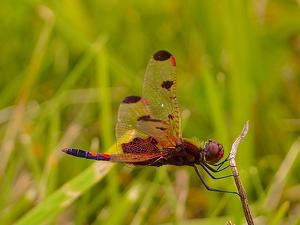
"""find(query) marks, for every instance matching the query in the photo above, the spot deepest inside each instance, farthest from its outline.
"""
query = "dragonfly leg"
(220, 167)
(212, 176)
(213, 169)
(221, 163)
(210, 188)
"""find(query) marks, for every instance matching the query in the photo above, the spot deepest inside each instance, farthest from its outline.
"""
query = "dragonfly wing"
(132, 158)
(161, 130)
(155, 115)
(160, 91)
(130, 110)
(136, 123)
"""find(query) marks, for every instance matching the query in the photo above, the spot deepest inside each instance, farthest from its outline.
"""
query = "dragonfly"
(151, 125)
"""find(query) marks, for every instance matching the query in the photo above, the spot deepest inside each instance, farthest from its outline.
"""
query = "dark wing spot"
(162, 55)
(146, 117)
(154, 120)
(131, 99)
(161, 128)
(152, 140)
(137, 140)
(167, 84)
(171, 117)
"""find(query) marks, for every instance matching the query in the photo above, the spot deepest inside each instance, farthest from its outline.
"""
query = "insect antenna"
(210, 188)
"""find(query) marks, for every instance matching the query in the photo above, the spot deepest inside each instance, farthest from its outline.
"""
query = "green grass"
(66, 65)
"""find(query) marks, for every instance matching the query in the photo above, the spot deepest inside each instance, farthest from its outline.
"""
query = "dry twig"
(235, 173)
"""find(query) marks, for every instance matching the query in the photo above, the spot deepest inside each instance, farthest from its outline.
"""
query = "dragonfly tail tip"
(66, 150)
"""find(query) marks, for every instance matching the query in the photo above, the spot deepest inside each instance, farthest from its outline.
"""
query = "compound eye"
(213, 151)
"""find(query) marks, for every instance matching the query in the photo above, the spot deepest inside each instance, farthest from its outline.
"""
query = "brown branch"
(236, 176)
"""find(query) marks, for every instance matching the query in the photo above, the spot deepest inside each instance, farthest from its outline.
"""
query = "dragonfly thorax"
(189, 153)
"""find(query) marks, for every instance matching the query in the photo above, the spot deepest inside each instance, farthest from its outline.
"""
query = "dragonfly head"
(213, 151)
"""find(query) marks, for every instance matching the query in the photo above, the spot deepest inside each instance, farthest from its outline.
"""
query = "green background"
(66, 65)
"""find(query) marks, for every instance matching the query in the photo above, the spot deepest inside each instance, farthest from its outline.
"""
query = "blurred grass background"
(66, 65)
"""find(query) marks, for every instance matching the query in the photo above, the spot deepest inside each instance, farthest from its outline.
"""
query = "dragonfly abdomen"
(87, 154)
